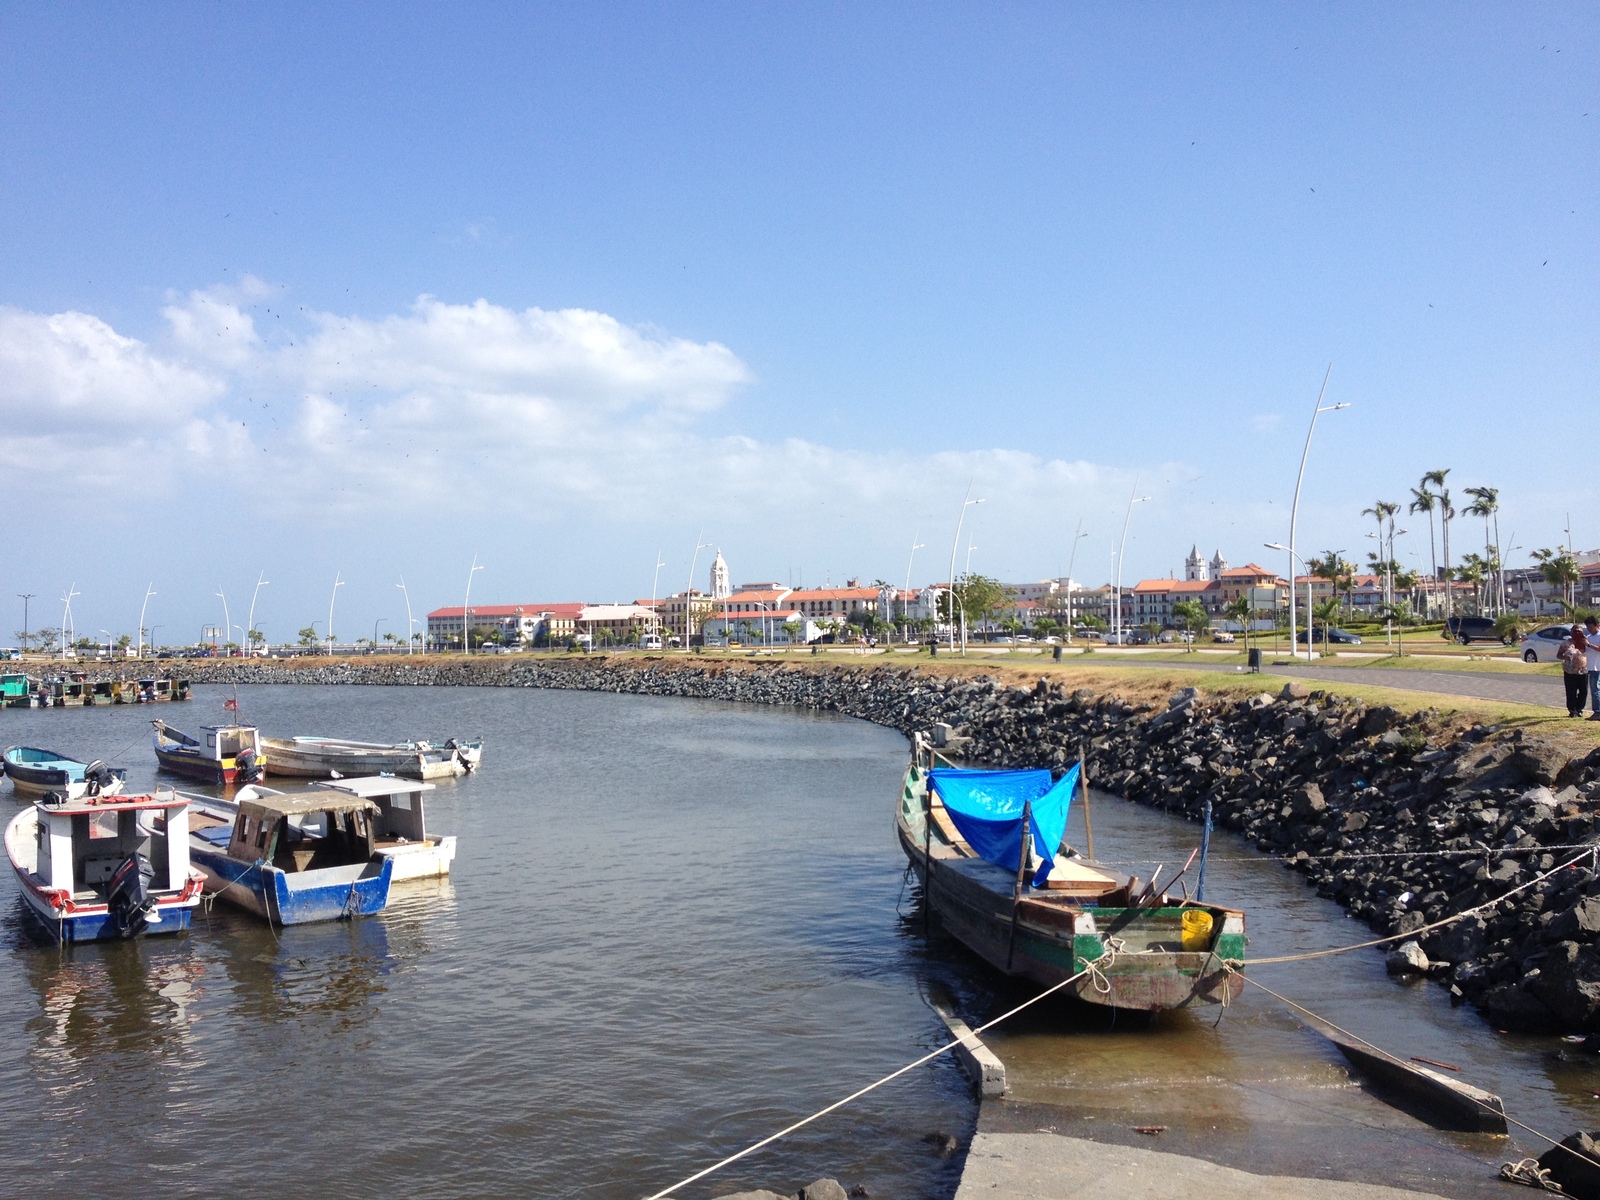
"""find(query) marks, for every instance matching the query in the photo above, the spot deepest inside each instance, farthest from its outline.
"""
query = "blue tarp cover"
(986, 807)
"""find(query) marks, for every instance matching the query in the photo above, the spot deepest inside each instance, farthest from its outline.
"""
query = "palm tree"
(1424, 501)
(1445, 513)
(1560, 570)
(1241, 610)
(1486, 504)
(1474, 569)
(1327, 612)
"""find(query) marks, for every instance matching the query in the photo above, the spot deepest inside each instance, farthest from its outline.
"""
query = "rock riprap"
(1402, 819)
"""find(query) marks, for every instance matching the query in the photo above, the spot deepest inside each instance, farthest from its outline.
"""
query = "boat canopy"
(987, 806)
(294, 804)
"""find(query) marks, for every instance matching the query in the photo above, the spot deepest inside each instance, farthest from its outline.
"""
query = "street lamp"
(148, 592)
(915, 546)
(1292, 651)
(334, 595)
(1133, 498)
(955, 544)
(1294, 516)
(409, 622)
(466, 607)
(25, 597)
(66, 615)
(1072, 560)
(250, 621)
(227, 621)
(688, 595)
(107, 632)
(153, 643)
(375, 624)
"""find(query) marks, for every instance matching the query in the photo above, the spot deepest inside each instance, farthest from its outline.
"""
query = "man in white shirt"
(1591, 632)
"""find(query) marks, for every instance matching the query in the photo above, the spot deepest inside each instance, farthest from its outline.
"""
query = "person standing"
(1574, 656)
(1591, 634)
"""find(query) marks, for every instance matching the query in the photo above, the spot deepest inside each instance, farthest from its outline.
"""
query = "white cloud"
(211, 326)
(72, 373)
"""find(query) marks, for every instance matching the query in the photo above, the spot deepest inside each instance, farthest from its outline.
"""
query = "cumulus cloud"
(71, 373)
(451, 411)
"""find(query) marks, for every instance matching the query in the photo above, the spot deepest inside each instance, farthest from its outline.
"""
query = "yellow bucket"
(1196, 929)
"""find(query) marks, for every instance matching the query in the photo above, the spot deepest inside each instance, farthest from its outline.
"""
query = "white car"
(1541, 645)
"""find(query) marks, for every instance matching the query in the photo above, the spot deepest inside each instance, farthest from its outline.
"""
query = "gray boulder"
(1406, 959)
(1307, 801)
(1569, 985)
(824, 1189)
(1459, 942)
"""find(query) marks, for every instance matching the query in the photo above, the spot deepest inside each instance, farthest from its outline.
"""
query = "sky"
(367, 293)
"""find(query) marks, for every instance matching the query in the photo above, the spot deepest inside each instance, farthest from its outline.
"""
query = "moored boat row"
(77, 690)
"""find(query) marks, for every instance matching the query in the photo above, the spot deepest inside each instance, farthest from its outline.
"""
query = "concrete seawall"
(1462, 812)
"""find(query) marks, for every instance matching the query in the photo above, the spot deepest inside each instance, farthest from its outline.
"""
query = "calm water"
(673, 928)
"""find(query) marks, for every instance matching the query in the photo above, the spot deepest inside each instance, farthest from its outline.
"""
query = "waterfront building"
(512, 624)
(721, 589)
(1153, 599)
(682, 614)
(776, 627)
(838, 604)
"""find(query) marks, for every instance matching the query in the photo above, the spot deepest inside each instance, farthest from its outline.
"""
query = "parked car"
(1541, 645)
(1467, 630)
(1223, 636)
(1335, 637)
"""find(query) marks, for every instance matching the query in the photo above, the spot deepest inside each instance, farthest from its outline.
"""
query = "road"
(1544, 691)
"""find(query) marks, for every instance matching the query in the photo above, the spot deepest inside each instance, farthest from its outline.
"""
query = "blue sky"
(365, 290)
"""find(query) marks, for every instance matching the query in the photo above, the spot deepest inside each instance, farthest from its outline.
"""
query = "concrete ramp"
(1048, 1166)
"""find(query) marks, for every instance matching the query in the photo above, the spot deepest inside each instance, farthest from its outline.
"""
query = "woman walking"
(1574, 656)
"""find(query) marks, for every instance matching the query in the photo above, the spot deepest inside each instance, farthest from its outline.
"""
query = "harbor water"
(674, 927)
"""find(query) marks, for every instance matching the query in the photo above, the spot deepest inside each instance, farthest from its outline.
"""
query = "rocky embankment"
(1403, 819)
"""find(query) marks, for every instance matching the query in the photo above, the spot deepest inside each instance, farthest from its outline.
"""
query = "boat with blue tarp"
(100, 868)
(33, 772)
(293, 859)
(989, 848)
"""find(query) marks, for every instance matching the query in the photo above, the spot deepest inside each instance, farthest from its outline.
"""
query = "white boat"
(399, 827)
(105, 867)
(341, 758)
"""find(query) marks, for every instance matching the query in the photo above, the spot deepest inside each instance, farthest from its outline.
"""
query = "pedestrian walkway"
(1543, 691)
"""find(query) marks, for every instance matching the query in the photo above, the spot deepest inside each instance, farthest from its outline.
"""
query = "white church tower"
(721, 589)
(1218, 565)
(1194, 567)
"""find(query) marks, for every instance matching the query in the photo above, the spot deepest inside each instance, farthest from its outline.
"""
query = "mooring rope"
(1341, 855)
(837, 1104)
(1382, 1053)
(1416, 933)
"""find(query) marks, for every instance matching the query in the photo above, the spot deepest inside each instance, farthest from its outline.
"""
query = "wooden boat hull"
(56, 774)
(421, 860)
(219, 771)
(70, 920)
(294, 898)
(306, 759)
(1047, 942)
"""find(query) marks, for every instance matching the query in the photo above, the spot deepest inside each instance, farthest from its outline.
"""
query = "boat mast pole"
(1083, 783)
(1023, 854)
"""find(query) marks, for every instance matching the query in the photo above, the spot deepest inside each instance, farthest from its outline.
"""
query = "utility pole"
(25, 597)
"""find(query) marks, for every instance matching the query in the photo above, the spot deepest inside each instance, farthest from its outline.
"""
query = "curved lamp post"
(955, 544)
(1294, 516)
(1122, 546)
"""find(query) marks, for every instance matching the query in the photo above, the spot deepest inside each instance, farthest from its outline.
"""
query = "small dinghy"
(399, 828)
(292, 859)
(33, 772)
(101, 868)
(989, 849)
(340, 758)
(222, 754)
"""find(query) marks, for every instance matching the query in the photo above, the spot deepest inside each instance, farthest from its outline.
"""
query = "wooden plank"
(1438, 1099)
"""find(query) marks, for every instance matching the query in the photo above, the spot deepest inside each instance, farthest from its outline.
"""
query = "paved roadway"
(1542, 690)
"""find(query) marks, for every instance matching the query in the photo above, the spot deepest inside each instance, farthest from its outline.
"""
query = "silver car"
(1541, 645)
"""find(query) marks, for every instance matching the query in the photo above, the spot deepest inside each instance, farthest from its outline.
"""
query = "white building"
(721, 587)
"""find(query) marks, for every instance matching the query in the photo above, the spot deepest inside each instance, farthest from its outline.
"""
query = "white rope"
(767, 1141)
(1416, 933)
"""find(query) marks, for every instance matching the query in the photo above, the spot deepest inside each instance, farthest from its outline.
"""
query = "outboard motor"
(128, 897)
(53, 798)
(247, 768)
(98, 777)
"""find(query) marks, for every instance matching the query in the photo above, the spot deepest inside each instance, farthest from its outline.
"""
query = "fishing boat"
(293, 859)
(106, 867)
(222, 754)
(989, 849)
(33, 772)
(399, 826)
(325, 758)
(17, 690)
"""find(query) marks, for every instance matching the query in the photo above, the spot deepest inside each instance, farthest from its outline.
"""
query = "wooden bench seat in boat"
(1079, 881)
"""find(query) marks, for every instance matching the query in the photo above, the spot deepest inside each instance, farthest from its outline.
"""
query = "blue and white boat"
(33, 772)
(103, 867)
(292, 859)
